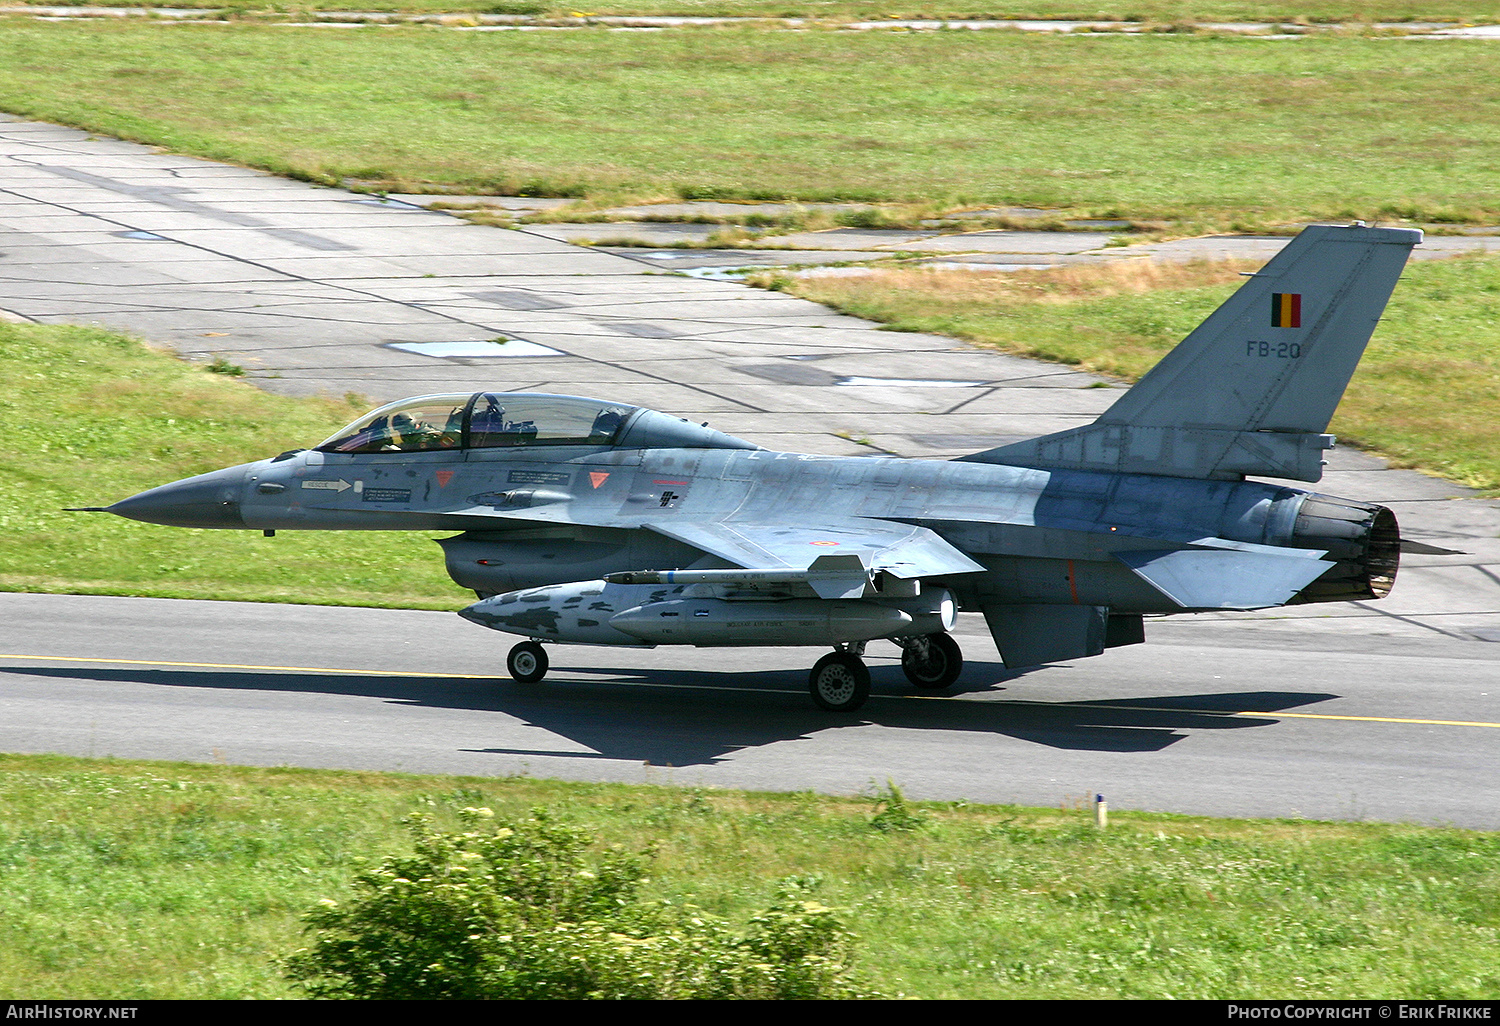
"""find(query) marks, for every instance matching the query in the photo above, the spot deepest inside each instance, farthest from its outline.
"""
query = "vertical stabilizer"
(1252, 389)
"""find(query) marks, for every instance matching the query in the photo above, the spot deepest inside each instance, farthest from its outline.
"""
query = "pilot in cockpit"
(606, 424)
(410, 435)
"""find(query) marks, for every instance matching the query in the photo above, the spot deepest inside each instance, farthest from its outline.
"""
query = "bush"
(519, 912)
(893, 813)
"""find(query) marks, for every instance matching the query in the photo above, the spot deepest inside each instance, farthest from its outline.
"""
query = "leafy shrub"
(893, 813)
(520, 911)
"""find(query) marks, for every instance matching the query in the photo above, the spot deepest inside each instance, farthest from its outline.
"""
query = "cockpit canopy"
(481, 420)
(490, 420)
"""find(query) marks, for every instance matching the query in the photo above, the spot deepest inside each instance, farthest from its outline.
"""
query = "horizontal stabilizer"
(1227, 579)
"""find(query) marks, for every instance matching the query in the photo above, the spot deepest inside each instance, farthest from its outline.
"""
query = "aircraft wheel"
(933, 661)
(839, 682)
(527, 662)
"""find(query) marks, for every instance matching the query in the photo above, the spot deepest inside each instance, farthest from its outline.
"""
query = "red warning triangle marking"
(443, 477)
(598, 477)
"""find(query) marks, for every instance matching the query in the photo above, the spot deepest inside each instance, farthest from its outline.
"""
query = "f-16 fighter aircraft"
(590, 522)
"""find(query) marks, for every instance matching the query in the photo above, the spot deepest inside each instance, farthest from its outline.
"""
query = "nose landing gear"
(527, 662)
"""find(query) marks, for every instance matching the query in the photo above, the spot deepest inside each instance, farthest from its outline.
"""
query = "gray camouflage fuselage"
(535, 517)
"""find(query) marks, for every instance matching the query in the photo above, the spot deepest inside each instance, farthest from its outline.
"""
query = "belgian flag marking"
(1286, 309)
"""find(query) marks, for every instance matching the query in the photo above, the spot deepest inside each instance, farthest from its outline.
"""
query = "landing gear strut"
(931, 661)
(527, 662)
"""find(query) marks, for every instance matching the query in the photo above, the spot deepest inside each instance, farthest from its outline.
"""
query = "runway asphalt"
(1215, 720)
(1381, 710)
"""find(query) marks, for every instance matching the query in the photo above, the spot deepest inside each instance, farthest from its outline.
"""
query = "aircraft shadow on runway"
(677, 718)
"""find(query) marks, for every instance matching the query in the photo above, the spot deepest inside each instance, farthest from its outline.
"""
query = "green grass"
(136, 880)
(1158, 11)
(97, 417)
(1199, 131)
(1427, 392)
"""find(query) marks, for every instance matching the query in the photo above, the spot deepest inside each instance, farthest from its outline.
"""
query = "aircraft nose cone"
(480, 612)
(208, 500)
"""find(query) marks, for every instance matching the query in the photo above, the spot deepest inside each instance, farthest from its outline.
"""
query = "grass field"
(1201, 132)
(132, 880)
(100, 417)
(1157, 11)
(1426, 394)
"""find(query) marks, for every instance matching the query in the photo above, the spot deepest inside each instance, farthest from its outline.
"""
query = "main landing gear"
(931, 661)
(839, 682)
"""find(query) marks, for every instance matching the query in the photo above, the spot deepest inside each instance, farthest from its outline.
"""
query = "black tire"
(839, 682)
(934, 665)
(527, 662)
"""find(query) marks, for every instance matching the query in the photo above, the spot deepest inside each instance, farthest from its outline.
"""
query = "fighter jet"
(590, 522)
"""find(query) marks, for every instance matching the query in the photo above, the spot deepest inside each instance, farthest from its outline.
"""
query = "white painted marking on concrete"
(511, 347)
(909, 382)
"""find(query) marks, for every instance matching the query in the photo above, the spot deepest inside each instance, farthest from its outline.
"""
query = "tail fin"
(1252, 389)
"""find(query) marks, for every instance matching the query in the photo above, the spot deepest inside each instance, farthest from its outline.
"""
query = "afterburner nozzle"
(208, 500)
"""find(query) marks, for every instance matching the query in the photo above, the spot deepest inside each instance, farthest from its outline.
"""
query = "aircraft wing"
(901, 550)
